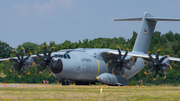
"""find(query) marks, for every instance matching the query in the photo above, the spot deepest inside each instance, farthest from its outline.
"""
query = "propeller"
(20, 62)
(120, 62)
(157, 65)
(46, 58)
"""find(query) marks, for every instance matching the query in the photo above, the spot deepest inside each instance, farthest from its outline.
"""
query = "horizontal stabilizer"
(129, 19)
(161, 19)
(149, 19)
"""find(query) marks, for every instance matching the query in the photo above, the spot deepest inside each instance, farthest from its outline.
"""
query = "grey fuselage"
(86, 64)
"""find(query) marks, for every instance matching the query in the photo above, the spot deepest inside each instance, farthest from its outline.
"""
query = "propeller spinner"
(157, 65)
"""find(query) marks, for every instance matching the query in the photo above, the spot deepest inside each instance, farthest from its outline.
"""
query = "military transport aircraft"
(113, 67)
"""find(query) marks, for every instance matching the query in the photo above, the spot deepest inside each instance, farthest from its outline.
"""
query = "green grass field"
(92, 93)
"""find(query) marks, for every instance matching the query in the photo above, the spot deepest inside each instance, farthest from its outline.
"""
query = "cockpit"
(65, 56)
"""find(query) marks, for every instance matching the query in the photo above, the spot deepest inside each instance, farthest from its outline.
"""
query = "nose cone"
(56, 66)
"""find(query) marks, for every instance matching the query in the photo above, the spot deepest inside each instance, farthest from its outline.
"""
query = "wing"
(141, 55)
(35, 57)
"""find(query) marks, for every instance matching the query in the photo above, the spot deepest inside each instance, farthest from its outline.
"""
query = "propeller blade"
(15, 60)
(121, 71)
(50, 51)
(162, 59)
(166, 65)
(157, 54)
(119, 50)
(111, 61)
(129, 60)
(16, 53)
(49, 72)
(127, 67)
(40, 63)
(22, 51)
(44, 51)
(127, 50)
(28, 56)
(41, 57)
(113, 71)
(149, 71)
(44, 67)
(13, 67)
(19, 70)
(148, 63)
(164, 73)
(151, 57)
(25, 71)
(156, 75)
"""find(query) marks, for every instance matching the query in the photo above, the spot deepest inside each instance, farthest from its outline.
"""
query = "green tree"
(5, 50)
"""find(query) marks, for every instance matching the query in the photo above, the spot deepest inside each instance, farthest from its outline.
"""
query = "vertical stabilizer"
(146, 30)
(145, 34)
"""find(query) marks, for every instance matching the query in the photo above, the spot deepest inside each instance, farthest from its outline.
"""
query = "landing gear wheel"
(66, 82)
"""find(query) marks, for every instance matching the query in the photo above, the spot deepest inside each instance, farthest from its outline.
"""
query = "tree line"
(169, 43)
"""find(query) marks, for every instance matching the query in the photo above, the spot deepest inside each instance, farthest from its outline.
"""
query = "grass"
(90, 93)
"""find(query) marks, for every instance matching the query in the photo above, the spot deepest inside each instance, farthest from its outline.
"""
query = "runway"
(27, 85)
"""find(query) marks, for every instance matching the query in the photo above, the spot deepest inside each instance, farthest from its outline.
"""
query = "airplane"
(112, 67)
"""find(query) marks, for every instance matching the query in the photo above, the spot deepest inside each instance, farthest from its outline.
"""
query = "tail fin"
(146, 30)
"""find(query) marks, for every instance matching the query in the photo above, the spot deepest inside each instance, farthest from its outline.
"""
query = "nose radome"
(56, 66)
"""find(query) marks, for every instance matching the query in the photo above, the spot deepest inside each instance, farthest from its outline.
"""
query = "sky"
(40, 21)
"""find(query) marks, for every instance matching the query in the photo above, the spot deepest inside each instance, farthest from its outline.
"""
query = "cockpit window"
(68, 56)
(58, 55)
(65, 56)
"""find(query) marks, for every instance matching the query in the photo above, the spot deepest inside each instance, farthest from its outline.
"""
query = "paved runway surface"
(26, 85)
